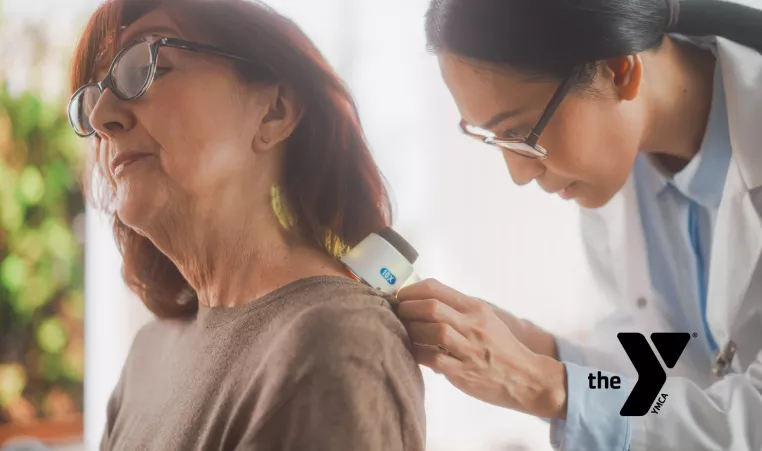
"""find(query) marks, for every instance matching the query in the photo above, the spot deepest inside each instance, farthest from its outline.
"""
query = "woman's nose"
(111, 115)
(523, 170)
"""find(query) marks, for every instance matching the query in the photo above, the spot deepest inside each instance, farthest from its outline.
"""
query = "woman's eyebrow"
(140, 32)
(102, 65)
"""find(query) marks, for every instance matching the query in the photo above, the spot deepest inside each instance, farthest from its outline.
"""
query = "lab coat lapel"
(737, 243)
(629, 260)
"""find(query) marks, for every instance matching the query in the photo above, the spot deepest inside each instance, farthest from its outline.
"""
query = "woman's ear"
(281, 116)
(626, 73)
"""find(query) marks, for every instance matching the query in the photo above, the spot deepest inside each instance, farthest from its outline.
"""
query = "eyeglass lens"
(130, 75)
(521, 148)
(518, 147)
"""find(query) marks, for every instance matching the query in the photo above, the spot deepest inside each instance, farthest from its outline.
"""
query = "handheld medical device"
(383, 260)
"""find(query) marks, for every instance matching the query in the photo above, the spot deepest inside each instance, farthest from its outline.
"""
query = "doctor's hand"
(463, 339)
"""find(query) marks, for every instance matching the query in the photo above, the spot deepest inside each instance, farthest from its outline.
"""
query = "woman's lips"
(121, 161)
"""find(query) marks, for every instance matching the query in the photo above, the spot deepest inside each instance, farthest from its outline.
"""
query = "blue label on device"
(386, 274)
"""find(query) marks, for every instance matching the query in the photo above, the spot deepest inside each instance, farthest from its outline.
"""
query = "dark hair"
(332, 194)
(552, 38)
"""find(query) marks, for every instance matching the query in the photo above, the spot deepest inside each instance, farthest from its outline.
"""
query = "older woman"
(234, 166)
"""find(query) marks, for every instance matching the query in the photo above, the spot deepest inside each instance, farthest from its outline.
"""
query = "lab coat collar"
(742, 78)
(740, 70)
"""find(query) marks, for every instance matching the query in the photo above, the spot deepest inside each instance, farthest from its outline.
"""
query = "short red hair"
(331, 188)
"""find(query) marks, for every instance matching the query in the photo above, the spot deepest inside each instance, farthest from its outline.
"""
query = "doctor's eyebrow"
(500, 117)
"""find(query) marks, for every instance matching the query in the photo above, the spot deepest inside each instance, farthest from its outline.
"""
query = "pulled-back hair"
(553, 38)
(331, 192)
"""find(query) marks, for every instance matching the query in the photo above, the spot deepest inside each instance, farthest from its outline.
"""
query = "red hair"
(331, 188)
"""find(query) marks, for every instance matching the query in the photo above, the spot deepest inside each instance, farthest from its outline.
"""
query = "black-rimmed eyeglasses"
(526, 147)
(129, 76)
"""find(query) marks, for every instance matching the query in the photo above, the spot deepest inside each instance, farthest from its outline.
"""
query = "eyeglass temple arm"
(556, 100)
(193, 47)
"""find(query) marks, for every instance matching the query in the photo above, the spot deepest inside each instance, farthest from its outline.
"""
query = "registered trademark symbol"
(695, 335)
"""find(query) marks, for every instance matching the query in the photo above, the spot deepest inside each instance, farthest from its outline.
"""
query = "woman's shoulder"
(334, 315)
(341, 369)
(325, 325)
(341, 329)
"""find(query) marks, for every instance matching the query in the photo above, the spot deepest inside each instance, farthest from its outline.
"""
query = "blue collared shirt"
(678, 216)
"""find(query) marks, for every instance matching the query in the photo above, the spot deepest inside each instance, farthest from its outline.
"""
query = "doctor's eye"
(519, 132)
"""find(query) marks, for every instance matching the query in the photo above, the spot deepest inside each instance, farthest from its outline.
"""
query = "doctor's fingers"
(436, 360)
(433, 289)
(430, 311)
(439, 337)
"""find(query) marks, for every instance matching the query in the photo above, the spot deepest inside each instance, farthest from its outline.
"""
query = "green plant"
(41, 260)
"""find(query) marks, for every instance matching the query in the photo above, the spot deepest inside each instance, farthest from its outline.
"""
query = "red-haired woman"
(233, 163)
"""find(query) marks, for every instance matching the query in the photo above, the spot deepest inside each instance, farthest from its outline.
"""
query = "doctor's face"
(591, 140)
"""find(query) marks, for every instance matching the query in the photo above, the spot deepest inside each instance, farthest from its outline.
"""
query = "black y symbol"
(651, 375)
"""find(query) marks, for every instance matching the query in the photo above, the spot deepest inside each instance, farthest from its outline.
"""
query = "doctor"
(649, 115)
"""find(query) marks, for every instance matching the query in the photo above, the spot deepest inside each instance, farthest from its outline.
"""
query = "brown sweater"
(320, 364)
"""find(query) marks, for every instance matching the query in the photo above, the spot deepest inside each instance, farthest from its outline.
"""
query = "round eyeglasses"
(129, 76)
(526, 147)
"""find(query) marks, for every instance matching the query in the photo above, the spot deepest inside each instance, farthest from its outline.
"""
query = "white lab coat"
(703, 411)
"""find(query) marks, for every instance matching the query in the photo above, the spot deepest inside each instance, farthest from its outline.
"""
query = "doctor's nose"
(523, 170)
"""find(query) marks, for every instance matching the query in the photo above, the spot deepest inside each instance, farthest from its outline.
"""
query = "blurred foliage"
(41, 261)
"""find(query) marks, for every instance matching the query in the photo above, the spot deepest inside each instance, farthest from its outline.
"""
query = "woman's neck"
(679, 80)
(231, 259)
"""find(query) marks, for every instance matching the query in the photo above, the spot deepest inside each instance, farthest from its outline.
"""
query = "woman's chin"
(136, 211)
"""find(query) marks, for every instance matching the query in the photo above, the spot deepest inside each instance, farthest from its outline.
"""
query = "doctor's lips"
(122, 160)
(566, 192)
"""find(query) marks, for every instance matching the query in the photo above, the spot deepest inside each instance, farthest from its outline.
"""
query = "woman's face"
(591, 140)
(196, 133)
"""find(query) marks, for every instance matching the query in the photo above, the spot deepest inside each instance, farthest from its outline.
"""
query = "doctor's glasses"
(526, 147)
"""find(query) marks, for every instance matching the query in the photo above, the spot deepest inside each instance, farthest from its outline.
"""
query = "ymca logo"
(651, 376)
(388, 276)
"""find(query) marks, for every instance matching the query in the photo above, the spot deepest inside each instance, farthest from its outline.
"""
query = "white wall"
(113, 315)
